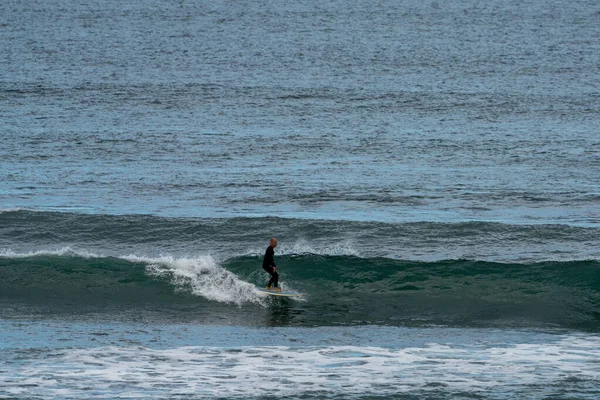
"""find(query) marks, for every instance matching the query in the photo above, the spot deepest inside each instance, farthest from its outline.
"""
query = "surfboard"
(283, 293)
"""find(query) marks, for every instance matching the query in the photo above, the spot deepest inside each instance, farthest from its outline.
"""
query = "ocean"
(430, 169)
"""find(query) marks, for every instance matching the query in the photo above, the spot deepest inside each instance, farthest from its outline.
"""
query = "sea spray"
(202, 276)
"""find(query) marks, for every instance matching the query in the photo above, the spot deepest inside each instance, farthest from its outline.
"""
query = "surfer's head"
(273, 242)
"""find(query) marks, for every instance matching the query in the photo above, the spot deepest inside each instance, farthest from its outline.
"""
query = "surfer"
(270, 267)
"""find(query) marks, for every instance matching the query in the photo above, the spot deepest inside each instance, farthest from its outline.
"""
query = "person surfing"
(269, 266)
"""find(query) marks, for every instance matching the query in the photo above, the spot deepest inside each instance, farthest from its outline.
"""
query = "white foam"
(12, 209)
(202, 276)
(280, 371)
(57, 252)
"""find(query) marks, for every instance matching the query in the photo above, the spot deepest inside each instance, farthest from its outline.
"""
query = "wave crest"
(201, 276)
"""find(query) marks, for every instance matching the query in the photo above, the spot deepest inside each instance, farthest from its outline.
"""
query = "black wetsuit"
(269, 266)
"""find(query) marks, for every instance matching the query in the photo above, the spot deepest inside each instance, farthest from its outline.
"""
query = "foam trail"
(202, 276)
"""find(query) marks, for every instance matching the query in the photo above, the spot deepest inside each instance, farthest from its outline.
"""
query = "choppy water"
(431, 171)
(182, 361)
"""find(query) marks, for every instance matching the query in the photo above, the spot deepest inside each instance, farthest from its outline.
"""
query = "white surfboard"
(283, 293)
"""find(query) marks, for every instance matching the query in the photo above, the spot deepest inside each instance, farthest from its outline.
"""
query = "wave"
(342, 290)
(65, 274)
(223, 238)
(202, 277)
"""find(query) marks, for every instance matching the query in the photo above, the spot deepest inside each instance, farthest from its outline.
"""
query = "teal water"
(340, 290)
(430, 170)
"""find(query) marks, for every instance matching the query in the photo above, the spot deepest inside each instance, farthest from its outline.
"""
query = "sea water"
(430, 169)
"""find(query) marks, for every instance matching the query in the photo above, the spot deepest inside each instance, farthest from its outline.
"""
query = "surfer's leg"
(275, 279)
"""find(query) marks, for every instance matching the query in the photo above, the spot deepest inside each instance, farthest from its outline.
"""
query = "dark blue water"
(405, 111)
(431, 171)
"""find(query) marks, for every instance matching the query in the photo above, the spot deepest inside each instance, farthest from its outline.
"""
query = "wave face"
(139, 267)
(340, 290)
